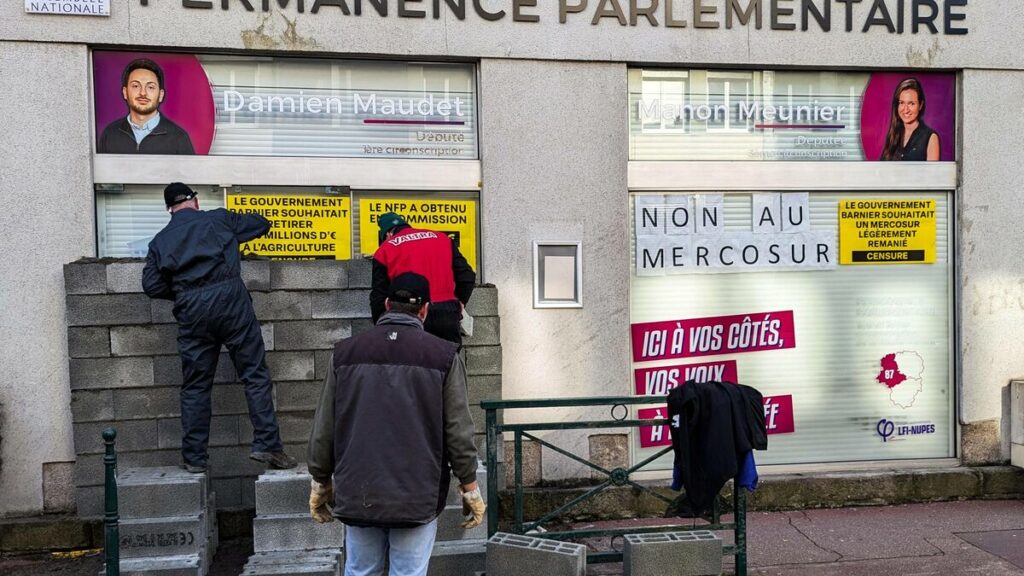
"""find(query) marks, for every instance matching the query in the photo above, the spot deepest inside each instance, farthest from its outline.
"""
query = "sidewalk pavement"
(976, 537)
(942, 539)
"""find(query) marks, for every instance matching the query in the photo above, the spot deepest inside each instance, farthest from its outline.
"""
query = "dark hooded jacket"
(713, 426)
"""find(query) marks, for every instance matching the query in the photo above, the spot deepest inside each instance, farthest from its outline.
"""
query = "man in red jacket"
(432, 255)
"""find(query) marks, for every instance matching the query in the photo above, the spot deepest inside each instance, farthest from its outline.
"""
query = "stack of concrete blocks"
(516, 555)
(285, 539)
(168, 523)
(125, 371)
(457, 550)
(693, 553)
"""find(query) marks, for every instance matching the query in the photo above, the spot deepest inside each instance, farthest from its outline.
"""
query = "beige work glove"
(321, 498)
(473, 505)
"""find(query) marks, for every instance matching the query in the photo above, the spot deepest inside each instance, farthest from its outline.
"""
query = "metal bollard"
(111, 538)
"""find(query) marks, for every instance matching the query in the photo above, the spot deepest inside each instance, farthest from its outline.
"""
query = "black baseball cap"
(409, 288)
(176, 193)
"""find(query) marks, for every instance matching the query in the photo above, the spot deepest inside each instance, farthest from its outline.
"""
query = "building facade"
(658, 190)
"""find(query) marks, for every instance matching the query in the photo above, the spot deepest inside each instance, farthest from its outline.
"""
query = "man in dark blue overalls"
(194, 261)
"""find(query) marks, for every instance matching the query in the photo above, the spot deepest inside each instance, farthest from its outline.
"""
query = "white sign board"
(686, 234)
(69, 7)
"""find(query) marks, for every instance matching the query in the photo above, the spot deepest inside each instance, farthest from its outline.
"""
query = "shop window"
(836, 305)
(127, 217)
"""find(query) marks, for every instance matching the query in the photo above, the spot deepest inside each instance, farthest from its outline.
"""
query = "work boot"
(194, 468)
(278, 460)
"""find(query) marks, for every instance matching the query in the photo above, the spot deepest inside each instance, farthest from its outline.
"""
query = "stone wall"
(125, 371)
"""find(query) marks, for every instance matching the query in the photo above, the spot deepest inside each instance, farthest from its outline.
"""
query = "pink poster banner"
(778, 419)
(778, 414)
(713, 335)
(659, 381)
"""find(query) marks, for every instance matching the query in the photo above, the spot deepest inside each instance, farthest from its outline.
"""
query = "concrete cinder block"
(360, 272)
(89, 500)
(281, 305)
(295, 426)
(483, 302)
(170, 536)
(462, 557)
(162, 311)
(449, 525)
(131, 435)
(360, 325)
(190, 565)
(311, 335)
(298, 396)
(144, 340)
(283, 492)
(88, 342)
(486, 332)
(89, 373)
(225, 369)
(85, 278)
(256, 274)
(160, 492)
(694, 553)
(167, 370)
(483, 360)
(309, 563)
(125, 276)
(152, 402)
(107, 309)
(232, 461)
(290, 365)
(341, 304)
(513, 554)
(228, 490)
(223, 431)
(212, 531)
(229, 399)
(92, 405)
(308, 275)
(295, 532)
(323, 360)
(487, 387)
(267, 332)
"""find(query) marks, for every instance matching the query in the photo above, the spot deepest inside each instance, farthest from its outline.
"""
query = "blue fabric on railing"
(747, 477)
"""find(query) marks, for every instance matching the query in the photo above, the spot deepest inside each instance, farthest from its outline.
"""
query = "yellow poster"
(303, 227)
(456, 218)
(887, 231)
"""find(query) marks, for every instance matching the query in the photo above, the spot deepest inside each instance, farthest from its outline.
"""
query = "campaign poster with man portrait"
(152, 103)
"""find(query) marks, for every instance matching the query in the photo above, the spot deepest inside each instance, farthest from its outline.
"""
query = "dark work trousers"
(218, 314)
(443, 320)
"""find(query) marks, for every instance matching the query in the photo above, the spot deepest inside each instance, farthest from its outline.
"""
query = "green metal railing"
(615, 477)
(111, 536)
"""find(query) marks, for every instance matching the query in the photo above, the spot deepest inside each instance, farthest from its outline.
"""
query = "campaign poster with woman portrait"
(909, 117)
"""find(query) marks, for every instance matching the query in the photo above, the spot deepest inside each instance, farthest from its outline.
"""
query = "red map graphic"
(890, 374)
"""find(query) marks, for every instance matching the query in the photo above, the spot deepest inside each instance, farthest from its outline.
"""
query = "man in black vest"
(194, 261)
(392, 425)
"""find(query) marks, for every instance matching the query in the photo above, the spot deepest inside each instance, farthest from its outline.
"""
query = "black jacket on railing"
(713, 426)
